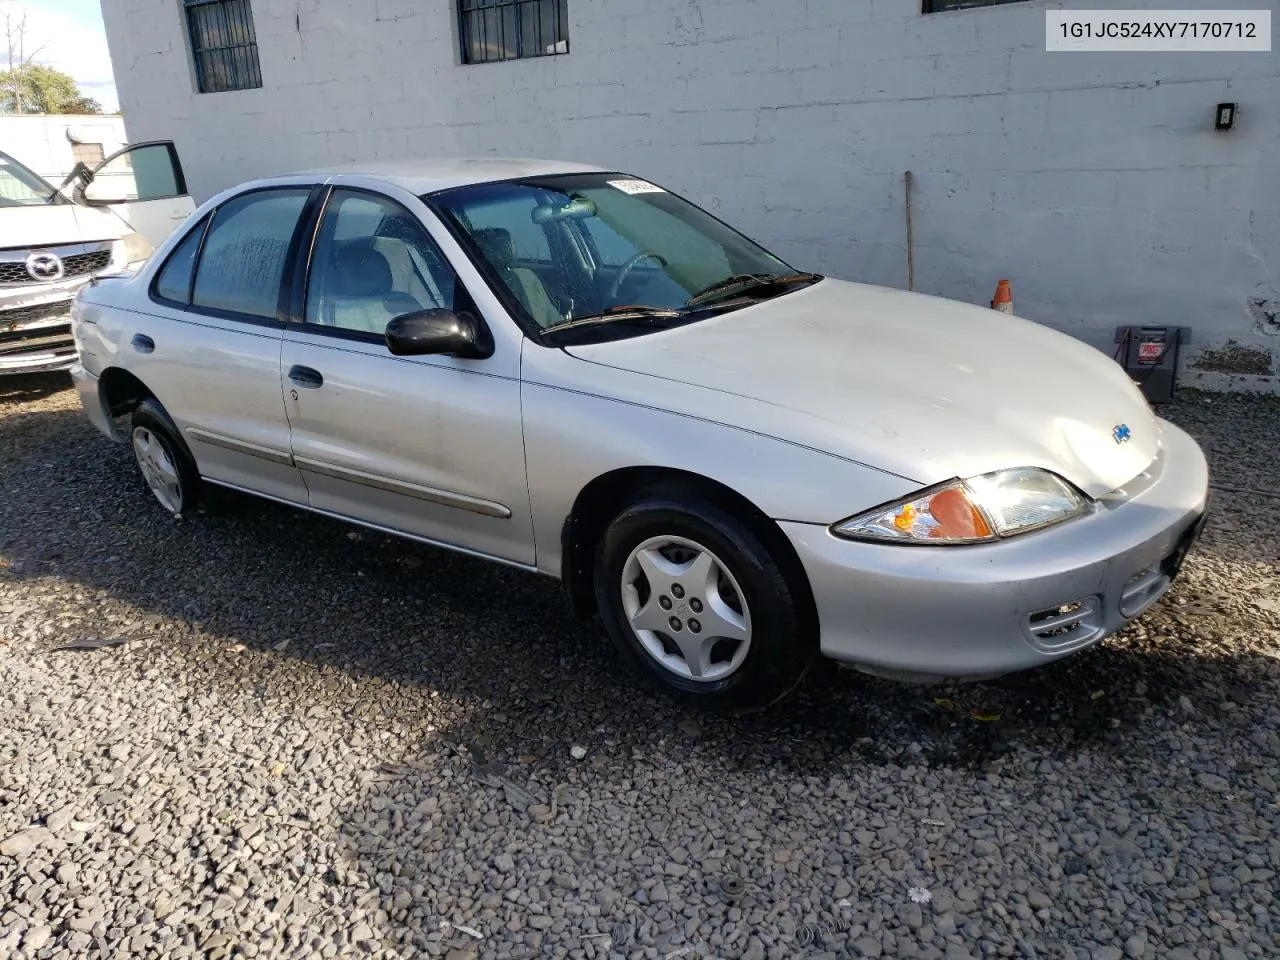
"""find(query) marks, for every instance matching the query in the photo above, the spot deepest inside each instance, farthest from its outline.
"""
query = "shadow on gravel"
(26, 387)
(527, 682)
(257, 573)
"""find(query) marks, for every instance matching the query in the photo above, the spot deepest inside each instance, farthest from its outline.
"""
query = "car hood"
(56, 224)
(926, 388)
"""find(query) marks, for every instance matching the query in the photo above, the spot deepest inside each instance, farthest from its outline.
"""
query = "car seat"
(527, 286)
(361, 290)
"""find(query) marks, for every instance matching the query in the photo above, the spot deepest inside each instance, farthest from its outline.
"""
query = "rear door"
(209, 347)
(145, 185)
(432, 445)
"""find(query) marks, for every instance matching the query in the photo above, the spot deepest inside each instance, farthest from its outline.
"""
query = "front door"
(430, 446)
(144, 184)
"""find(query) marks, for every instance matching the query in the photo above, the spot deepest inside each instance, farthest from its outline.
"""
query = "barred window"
(90, 154)
(223, 45)
(494, 30)
(937, 6)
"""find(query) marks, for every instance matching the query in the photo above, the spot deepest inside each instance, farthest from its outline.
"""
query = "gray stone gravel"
(305, 741)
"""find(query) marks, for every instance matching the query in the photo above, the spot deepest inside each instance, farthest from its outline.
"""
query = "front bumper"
(35, 317)
(88, 387)
(36, 337)
(913, 612)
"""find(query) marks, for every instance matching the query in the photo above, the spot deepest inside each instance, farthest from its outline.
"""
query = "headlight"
(130, 250)
(977, 510)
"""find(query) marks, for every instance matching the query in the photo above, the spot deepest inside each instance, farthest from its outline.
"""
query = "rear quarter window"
(174, 280)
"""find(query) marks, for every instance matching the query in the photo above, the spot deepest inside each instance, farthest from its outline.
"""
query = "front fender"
(572, 437)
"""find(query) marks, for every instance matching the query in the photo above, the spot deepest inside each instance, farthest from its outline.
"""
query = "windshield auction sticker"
(1153, 31)
(635, 186)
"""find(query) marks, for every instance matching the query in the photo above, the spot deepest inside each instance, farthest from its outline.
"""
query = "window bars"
(224, 46)
(493, 30)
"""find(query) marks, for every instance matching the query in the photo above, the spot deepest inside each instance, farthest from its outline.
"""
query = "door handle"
(142, 343)
(305, 377)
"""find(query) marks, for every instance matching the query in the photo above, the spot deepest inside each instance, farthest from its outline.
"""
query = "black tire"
(150, 416)
(783, 640)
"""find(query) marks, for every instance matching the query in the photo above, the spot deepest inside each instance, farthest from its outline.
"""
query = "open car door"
(144, 184)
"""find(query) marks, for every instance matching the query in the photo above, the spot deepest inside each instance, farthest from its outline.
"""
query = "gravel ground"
(302, 740)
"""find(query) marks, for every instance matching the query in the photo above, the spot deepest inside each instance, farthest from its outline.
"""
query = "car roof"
(444, 173)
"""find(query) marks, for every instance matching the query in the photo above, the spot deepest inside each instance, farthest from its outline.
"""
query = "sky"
(70, 36)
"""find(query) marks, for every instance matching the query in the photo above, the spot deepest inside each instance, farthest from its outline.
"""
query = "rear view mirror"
(578, 209)
(438, 331)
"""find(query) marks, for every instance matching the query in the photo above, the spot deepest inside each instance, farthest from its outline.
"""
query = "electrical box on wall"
(1150, 356)
(1225, 116)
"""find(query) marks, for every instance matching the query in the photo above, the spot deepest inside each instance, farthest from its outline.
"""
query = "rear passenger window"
(174, 281)
(244, 254)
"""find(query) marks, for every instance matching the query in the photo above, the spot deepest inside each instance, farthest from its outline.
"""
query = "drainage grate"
(1066, 626)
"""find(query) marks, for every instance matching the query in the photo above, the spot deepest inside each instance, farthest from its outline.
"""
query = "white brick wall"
(1095, 181)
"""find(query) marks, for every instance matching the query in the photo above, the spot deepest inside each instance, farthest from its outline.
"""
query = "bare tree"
(15, 34)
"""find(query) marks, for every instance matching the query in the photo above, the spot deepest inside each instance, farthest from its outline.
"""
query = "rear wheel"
(699, 604)
(163, 459)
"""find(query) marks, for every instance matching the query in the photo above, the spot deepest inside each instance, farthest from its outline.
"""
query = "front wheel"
(699, 604)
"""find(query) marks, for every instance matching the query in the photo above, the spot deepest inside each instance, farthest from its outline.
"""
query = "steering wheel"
(624, 271)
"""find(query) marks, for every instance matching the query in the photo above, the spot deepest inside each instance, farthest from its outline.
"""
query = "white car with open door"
(55, 240)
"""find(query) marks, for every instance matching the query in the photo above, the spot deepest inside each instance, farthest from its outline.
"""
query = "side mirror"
(99, 192)
(439, 331)
(75, 181)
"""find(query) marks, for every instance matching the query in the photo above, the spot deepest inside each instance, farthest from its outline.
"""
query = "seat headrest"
(496, 244)
(398, 227)
(360, 271)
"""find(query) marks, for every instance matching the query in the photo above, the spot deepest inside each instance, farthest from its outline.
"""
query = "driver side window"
(374, 262)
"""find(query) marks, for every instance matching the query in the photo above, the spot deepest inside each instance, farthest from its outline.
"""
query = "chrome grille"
(1067, 626)
(75, 265)
(41, 313)
(36, 329)
(36, 341)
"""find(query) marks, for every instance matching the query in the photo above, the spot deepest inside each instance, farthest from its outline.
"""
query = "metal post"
(911, 253)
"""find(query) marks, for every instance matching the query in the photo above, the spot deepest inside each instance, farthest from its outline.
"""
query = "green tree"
(35, 88)
(84, 105)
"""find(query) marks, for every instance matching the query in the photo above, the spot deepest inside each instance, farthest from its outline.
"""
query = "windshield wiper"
(742, 282)
(616, 316)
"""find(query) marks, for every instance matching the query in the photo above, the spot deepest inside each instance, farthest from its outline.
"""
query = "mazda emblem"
(44, 267)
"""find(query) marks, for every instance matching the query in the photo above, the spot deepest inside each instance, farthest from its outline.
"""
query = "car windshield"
(606, 248)
(20, 187)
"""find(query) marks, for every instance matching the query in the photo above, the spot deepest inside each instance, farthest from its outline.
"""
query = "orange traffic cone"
(1004, 297)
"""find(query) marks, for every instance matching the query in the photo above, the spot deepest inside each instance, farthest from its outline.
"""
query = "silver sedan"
(739, 465)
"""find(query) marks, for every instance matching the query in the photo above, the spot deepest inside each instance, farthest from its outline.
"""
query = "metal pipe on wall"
(908, 181)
